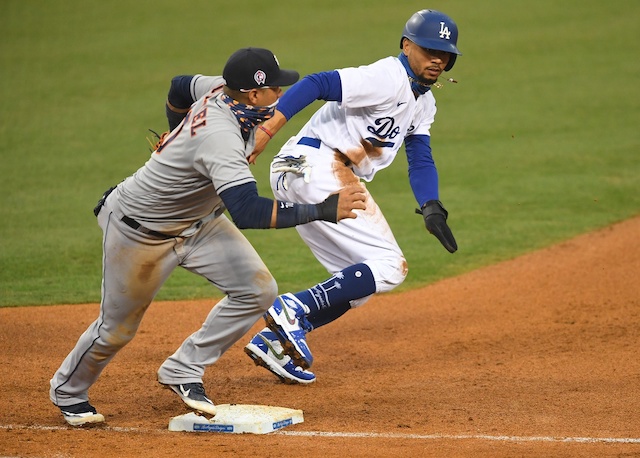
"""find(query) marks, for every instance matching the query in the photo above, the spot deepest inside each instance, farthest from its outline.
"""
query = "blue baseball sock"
(330, 299)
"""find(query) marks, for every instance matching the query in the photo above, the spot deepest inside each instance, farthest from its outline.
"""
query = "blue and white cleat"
(266, 351)
(286, 318)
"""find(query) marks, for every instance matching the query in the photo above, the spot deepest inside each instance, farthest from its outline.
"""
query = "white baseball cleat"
(81, 414)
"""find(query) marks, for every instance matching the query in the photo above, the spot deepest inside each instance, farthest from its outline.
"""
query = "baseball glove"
(156, 140)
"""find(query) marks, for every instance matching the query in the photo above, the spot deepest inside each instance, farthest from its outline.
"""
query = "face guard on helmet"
(433, 30)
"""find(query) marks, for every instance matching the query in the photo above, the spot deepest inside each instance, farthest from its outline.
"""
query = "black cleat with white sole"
(193, 395)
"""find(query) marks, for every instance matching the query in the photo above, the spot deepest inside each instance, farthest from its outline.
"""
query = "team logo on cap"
(260, 77)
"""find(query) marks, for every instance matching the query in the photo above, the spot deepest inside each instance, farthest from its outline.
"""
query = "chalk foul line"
(501, 438)
(364, 435)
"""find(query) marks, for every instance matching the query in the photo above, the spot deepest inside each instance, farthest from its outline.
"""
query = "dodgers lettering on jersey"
(378, 110)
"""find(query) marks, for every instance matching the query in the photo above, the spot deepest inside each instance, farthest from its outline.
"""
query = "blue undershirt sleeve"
(180, 98)
(423, 175)
(180, 92)
(248, 210)
(317, 86)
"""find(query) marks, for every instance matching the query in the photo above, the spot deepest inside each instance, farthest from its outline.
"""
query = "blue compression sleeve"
(317, 86)
(178, 100)
(251, 211)
(247, 209)
(180, 92)
(423, 175)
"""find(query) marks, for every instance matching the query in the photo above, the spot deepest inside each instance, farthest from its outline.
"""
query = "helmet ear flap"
(434, 30)
(452, 60)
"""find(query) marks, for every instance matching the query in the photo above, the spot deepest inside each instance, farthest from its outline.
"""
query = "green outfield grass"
(538, 142)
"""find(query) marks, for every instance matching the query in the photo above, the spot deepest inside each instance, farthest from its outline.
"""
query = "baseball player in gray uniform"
(170, 213)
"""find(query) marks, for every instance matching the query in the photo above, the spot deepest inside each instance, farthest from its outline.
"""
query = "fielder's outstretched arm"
(248, 210)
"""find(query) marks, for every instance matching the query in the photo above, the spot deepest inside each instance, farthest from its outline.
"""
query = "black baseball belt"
(133, 224)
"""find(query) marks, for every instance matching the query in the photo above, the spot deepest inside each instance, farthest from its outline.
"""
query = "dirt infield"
(537, 356)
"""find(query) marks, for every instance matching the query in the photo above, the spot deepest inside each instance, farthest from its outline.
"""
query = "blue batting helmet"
(433, 30)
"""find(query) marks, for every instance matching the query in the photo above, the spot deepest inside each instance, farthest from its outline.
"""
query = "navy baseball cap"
(253, 68)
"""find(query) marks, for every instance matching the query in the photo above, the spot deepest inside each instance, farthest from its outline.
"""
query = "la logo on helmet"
(444, 31)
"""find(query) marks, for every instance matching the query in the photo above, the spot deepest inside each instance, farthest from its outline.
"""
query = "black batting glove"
(435, 220)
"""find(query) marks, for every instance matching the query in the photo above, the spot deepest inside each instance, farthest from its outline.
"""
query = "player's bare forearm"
(271, 127)
(274, 215)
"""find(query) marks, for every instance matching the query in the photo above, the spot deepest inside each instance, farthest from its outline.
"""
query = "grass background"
(537, 142)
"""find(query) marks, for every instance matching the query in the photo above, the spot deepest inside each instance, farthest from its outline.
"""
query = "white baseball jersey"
(377, 105)
(378, 109)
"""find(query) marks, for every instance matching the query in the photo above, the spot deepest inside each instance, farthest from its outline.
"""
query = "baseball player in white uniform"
(370, 111)
(170, 213)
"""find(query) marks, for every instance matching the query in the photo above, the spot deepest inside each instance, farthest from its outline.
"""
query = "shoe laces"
(197, 388)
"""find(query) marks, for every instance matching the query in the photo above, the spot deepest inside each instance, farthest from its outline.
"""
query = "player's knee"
(259, 292)
(267, 291)
(112, 341)
(388, 273)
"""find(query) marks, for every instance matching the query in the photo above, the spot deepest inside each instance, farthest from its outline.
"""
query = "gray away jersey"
(181, 182)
